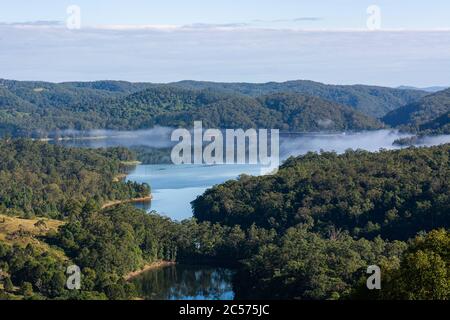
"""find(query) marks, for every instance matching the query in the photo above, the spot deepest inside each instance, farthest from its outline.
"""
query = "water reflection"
(183, 282)
(144, 205)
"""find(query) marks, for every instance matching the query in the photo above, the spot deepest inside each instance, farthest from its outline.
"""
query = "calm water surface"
(175, 186)
(185, 282)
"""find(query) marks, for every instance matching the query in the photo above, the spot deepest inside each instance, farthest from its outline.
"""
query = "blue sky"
(250, 40)
(412, 14)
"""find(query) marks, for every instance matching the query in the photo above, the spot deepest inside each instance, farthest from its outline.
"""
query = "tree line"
(308, 232)
(41, 179)
(331, 216)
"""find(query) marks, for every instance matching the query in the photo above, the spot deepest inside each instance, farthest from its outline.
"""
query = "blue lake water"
(175, 186)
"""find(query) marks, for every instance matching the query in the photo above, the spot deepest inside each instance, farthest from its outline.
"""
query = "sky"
(381, 42)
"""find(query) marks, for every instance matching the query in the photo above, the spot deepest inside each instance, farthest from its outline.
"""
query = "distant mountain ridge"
(427, 89)
(34, 108)
(371, 100)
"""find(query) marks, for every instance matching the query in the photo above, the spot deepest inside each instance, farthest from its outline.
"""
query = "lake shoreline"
(148, 267)
(110, 204)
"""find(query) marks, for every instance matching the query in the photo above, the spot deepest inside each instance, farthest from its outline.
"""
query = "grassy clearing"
(119, 177)
(21, 231)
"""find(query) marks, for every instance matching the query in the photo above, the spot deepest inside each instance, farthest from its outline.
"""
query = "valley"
(110, 201)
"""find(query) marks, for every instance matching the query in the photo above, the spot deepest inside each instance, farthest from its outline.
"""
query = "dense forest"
(439, 125)
(288, 112)
(370, 100)
(41, 179)
(151, 155)
(40, 109)
(308, 232)
(390, 193)
(70, 184)
(304, 265)
(105, 244)
(330, 216)
(429, 115)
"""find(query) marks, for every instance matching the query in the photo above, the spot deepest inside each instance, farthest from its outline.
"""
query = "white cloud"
(133, 27)
(34, 24)
(164, 53)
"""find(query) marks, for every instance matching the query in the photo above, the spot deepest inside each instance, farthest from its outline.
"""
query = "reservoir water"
(174, 187)
(185, 282)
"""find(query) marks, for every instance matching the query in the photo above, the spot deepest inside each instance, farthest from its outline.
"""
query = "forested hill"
(307, 113)
(316, 225)
(41, 179)
(37, 109)
(371, 100)
(286, 111)
(428, 114)
(440, 125)
(295, 235)
(391, 193)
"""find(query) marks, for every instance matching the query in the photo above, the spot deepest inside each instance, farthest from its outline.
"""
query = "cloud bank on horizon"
(268, 46)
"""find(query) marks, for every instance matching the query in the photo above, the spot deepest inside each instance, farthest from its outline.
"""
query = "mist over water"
(174, 187)
(294, 145)
(433, 140)
(291, 144)
(157, 137)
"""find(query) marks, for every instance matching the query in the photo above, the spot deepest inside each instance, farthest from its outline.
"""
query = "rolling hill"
(371, 100)
(429, 113)
(176, 107)
(38, 108)
(440, 125)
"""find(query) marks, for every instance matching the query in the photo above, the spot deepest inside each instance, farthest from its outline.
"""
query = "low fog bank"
(433, 140)
(157, 137)
(290, 144)
(367, 140)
